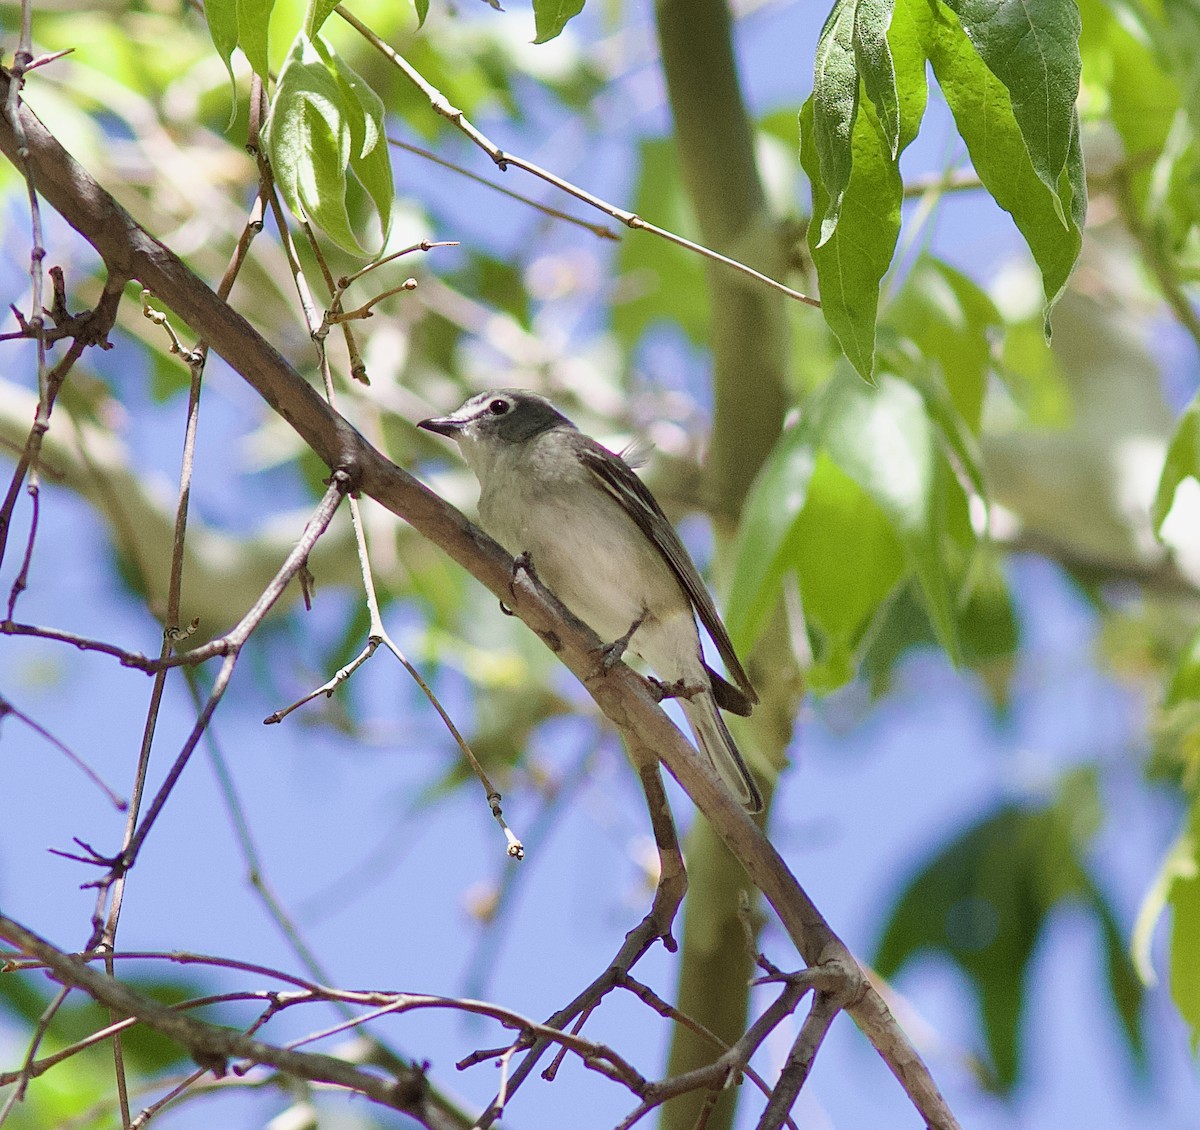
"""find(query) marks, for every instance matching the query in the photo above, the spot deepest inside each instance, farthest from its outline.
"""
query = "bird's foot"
(611, 654)
(522, 563)
(681, 688)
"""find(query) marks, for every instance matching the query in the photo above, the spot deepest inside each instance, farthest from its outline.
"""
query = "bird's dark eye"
(499, 407)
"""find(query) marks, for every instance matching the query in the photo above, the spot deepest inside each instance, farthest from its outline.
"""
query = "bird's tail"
(716, 742)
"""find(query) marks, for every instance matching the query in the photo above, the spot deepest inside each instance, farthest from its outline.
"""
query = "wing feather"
(634, 497)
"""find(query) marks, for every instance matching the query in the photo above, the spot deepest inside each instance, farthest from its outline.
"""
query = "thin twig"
(90, 328)
(377, 633)
(231, 645)
(27, 1072)
(656, 926)
(7, 708)
(598, 230)
(441, 106)
(213, 1046)
(800, 1061)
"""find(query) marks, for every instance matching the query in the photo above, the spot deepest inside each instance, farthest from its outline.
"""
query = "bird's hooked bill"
(443, 425)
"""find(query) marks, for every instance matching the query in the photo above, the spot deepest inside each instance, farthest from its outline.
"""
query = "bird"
(598, 539)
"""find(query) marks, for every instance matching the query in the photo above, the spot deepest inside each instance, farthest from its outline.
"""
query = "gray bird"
(601, 543)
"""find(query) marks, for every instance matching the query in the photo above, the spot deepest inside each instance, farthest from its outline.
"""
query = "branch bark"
(213, 1046)
(620, 693)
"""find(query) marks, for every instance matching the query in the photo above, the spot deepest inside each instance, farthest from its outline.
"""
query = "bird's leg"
(522, 563)
(610, 654)
(678, 689)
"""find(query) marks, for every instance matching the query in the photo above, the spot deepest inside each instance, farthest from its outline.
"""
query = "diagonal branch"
(620, 693)
(213, 1046)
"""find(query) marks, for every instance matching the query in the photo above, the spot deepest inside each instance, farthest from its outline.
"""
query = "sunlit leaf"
(1033, 49)
(323, 123)
(834, 109)
(1183, 462)
(222, 18)
(952, 321)
(551, 16)
(1176, 887)
(873, 56)
(318, 12)
(854, 257)
(1049, 217)
(254, 19)
(848, 559)
(369, 158)
(761, 560)
(885, 440)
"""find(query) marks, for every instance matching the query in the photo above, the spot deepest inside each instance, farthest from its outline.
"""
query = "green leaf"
(551, 16)
(951, 320)
(834, 109)
(884, 439)
(324, 122)
(222, 19)
(1185, 944)
(984, 898)
(1032, 47)
(369, 158)
(906, 35)
(422, 10)
(1033, 375)
(1177, 886)
(1124, 984)
(978, 902)
(984, 114)
(318, 12)
(852, 261)
(254, 20)
(660, 281)
(1182, 462)
(854, 497)
(1185, 679)
(761, 557)
(873, 56)
(848, 559)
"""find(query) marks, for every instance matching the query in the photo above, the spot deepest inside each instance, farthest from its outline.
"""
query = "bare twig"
(377, 633)
(620, 693)
(799, 1062)
(213, 1046)
(7, 708)
(230, 646)
(672, 884)
(503, 160)
(598, 230)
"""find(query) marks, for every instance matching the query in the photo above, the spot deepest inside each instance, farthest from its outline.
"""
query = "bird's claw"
(611, 654)
(522, 563)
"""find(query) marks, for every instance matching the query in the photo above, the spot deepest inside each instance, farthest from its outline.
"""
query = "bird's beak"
(443, 425)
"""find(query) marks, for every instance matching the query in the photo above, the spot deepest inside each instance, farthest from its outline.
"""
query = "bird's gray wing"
(634, 497)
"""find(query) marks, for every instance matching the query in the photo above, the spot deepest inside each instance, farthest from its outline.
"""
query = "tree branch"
(620, 693)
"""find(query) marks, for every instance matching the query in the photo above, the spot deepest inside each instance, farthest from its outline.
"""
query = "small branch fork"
(503, 160)
(620, 693)
(229, 646)
(220, 1050)
(319, 328)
